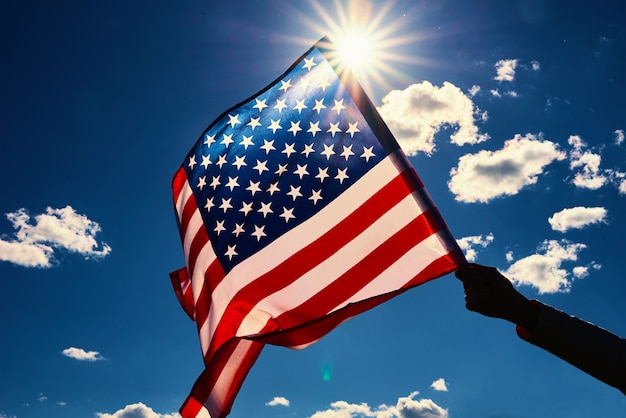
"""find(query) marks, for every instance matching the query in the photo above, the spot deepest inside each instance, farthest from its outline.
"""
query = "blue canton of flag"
(269, 164)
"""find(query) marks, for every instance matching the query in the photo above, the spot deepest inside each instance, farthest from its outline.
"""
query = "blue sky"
(513, 116)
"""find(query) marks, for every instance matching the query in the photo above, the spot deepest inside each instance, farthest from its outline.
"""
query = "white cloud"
(342, 409)
(617, 176)
(80, 354)
(137, 410)
(278, 400)
(509, 93)
(580, 272)
(34, 243)
(543, 270)
(505, 70)
(590, 176)
(577, 218)
(61, 403)
(406, 407)
(576, 142)
(42, 397)
(587, 165)
(486, 175)
(473, 91)
(619, 136)
(440, 385)
(535, 65)
(424, 408)
(26, 254)
(467, 244)
(548, 103)
(416, 114)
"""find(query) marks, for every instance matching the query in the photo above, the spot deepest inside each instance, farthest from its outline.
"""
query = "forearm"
(592, 349)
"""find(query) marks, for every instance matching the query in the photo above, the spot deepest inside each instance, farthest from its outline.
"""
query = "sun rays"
(368, 39)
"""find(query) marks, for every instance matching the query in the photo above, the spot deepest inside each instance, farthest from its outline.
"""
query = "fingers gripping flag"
(297, 210)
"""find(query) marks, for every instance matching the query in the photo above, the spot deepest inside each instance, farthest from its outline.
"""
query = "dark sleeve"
(592, 349)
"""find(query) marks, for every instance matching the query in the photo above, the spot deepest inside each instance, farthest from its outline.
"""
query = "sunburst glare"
(355, 50)
(366, 38)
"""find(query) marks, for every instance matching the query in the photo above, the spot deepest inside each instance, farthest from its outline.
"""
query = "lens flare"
(326, 373)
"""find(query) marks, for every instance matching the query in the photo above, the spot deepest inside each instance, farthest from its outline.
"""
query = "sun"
(366, 39)
(356, 51)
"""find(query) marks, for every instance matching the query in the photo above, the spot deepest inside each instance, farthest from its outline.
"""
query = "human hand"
(490, 293)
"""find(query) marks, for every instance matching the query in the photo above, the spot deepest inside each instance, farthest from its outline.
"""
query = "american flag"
(297, 210)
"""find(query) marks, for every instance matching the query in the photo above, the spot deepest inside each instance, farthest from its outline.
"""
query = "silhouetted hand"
(490, 293)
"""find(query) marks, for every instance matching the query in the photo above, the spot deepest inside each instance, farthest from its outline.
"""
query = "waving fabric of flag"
(297, 210)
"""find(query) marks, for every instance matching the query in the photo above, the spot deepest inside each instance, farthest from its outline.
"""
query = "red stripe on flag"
(178, 183)
(312, 331)
(214, 274)
(237, 354)
(199, 241)
(182, 289)
(345, 286)
(189, 209)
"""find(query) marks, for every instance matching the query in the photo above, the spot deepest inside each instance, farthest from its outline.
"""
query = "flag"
(297, 210)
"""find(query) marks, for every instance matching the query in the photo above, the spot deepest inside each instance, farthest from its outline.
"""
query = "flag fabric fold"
(297, 210)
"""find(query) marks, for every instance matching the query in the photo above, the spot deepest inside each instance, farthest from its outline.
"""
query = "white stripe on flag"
(195, 223)
(182, 198)
(407, 266)
(206, 256)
